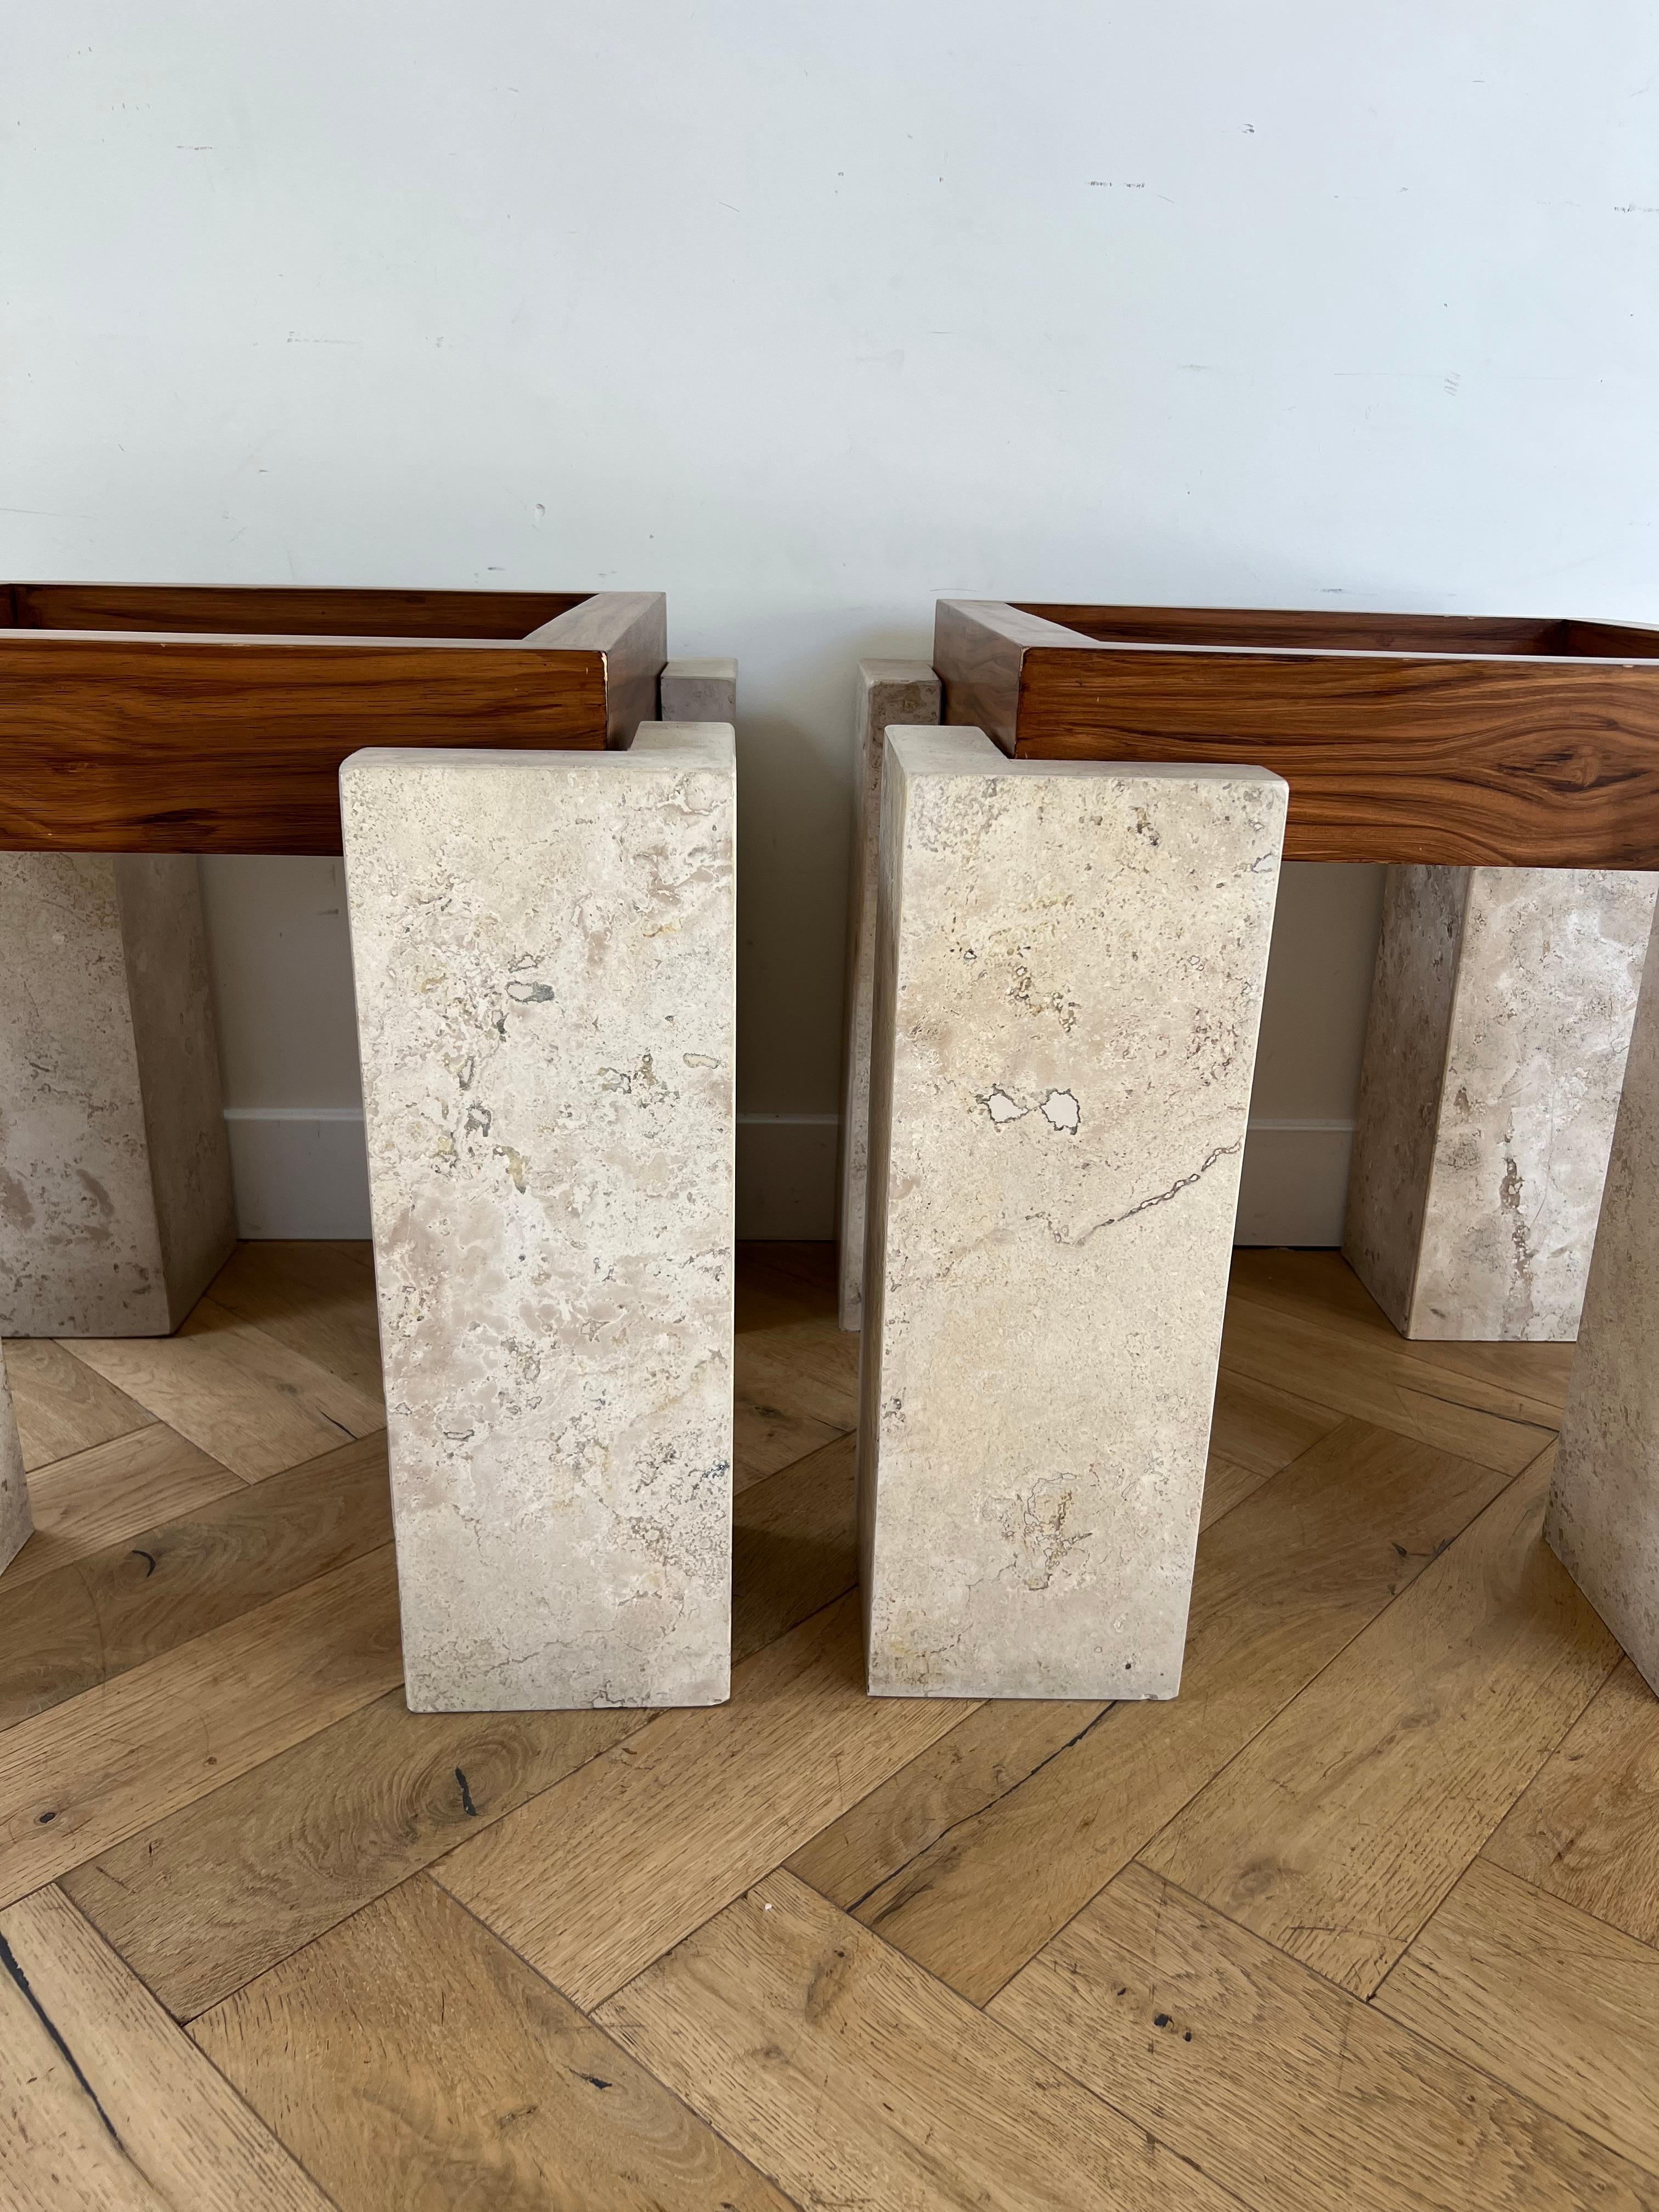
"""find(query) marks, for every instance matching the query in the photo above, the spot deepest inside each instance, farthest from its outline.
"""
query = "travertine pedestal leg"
(545, 948)
(115, 1198)
(1500, 1017)
(1069, 976)
(16, 1525)
(888, 691)
(699, 691)
(1603, 1518)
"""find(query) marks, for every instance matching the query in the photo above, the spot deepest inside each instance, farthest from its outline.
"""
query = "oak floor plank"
(1321, 1288)
(412, 2061)
(1263, 1429)
(795, 1373)
(799, 1266)
(1587, 1826)
(1560, 2007)
(1225, 1484)
(1374, 1382)
(103, 2101)
(1282, 1583)
(981, 1761)
(766, 1437)
(246, 1808)
(1281, 2086)
(76, 1779)
(316, 1298)
(221, 1891)
(1339, 1829)
(600, 1874)
(241, 1396)
(113, 1491)
(62, 1407)
(853, 2079)
(111, 1610)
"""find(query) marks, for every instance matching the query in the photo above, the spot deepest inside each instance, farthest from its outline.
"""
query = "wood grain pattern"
(1586, 1827)
(87, 1622)
(221, 1891)
(62, 1407)
(1226, 1483)
(1261, 1427)
(1375, 1382)
(652, 1839)
(1540, 1995)
(1339, 1829)
(245, 1397)
(1282, 1583)
(281, 609)
(795, 1371)
(983, 1759)
(149, 744)
(1527, 1382)
(1323, 629)
(111, 1493)
(103, 2102)
(127, 739)
(252, 1785)
(1482, 757)
(1280, 2086)
(318, 1299)
(1525, 763)
(1609, 641)
(411, 2060)
(76, 1779)
(782, 2023)
(629, 632)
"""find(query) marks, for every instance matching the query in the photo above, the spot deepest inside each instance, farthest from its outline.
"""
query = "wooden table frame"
(1437, 739)
(214, 718)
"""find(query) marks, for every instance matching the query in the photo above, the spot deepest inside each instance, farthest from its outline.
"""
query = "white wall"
(806, 314)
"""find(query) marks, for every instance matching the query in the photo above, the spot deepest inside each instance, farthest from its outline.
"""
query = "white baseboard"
(299, 1171)
(302, 1171)
(1294, 1187)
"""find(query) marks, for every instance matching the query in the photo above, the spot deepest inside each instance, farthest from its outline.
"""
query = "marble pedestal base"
(1069, 972)
(16, 1525)
(698, 691)
(887, 692)
(115, 1198)
(1500, 1021)
(1603, 1517)
(544, 951)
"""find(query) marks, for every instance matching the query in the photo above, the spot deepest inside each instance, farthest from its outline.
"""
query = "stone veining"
(1500, 1018)
(544, 954)
(1036, 1392)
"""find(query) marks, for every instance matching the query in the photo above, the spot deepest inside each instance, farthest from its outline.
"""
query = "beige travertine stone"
(115, 1197)
(1500, 1018)
(699, 691)
(1069, 974)
(1603, 1517)
(887, 692)
(545, 949)
(17, 1524)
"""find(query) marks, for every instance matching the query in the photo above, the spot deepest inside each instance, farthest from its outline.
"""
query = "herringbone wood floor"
(1369, 1917)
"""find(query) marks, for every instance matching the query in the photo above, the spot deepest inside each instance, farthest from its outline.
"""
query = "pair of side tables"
(1072, 824)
